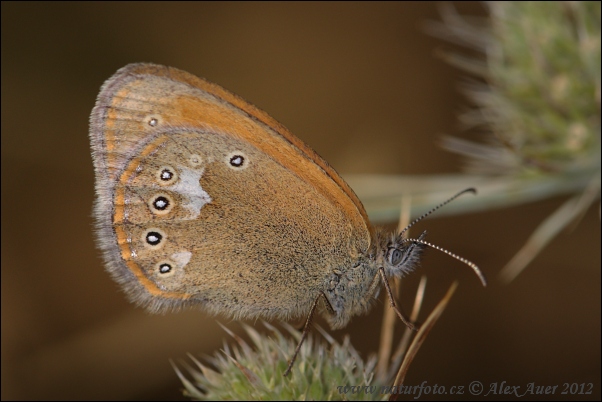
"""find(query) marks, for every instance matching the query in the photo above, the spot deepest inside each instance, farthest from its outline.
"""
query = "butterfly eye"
(395, 256)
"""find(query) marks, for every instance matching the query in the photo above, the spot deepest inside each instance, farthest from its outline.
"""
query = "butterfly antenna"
(457, 257)
(472, 265)
(468, 190)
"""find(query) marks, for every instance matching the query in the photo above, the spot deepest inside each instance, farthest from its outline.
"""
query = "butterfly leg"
(406, 321)
(306, 330)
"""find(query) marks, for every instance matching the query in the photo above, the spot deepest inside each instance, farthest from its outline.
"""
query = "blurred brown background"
(359, 83)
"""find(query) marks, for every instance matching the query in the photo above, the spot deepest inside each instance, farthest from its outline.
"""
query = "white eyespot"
(161, 204)
(195, 160)
(237, 160)
(153, 120)
(154, 238)
(166, 175)
(165, 269)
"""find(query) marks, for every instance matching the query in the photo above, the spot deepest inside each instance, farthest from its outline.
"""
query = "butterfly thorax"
(353, 291)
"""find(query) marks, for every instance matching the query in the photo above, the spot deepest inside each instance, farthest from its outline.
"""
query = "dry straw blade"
(420, 337)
